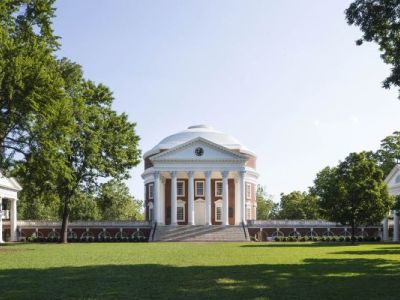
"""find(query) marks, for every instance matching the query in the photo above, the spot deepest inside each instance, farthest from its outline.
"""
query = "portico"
(9, 189)
(193, 178)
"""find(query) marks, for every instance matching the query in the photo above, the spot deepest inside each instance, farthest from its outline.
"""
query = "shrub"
(341, 239)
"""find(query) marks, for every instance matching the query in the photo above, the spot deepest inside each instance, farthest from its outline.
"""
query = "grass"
(200, 271)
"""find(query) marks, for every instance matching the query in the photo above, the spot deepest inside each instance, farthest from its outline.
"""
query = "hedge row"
(86, 240)
(327, 239)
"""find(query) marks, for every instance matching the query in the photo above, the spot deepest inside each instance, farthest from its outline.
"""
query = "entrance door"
(199, 212)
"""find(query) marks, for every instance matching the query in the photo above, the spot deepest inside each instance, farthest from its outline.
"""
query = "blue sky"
(284, 77)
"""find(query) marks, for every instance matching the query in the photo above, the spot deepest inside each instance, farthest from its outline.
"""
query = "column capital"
(242, 173)
(174, 173)
(190, 174)
(225, 174)
(156, 174)
(208, 174)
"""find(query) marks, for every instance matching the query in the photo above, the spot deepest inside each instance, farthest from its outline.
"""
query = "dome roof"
(204, 131)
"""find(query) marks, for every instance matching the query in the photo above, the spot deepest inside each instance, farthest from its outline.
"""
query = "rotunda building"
(200, 176)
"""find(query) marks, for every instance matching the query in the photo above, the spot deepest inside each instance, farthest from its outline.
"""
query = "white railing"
(31, 223)
(291, 223)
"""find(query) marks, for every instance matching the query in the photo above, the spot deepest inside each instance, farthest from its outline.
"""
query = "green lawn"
(200, 271)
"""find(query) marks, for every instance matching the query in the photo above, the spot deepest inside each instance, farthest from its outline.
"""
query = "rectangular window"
(180, 186)
(199, 188)
(218, 213)
(218, 188)
(180, 214)
(248, 190)
(151, 191)
(248, 215)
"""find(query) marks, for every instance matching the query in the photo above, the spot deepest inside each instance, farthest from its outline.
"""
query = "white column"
(225, 202)
(162, 201)
(385, 235)
(208, 197)
(156, 196)
(191, 198)
(238, 219)
(173, 198)
(13, 220)
(1, 221)
(242, 197)
(395, 227)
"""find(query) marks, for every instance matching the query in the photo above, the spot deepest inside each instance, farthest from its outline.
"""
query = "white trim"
(216, 188)
(236, 156)
(195, 188)
(218, 204)
(151, 189)
(183, 188)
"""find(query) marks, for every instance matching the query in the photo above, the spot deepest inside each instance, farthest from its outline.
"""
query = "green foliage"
(299, 205)
(265, 205)
(379, 22)
(30, 84)
(389, 153)
(58, 131)
(116, 203)
(353, 193)
(84, 207)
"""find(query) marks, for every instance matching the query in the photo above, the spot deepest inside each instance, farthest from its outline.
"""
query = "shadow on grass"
(378, 251)
(297, 245)
(315, 279)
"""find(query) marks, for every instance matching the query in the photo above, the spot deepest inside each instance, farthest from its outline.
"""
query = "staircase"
(201, 233)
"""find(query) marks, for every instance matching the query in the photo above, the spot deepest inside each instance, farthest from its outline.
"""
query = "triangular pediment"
(393, 180)
(9, 183)
(199, 149)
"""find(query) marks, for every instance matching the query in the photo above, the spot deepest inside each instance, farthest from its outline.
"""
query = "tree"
(116, 203)
(99, 144)
(29, 81)
(298, 205)
(379, 20)
(353, 193)
(389, 153)
(265, 204)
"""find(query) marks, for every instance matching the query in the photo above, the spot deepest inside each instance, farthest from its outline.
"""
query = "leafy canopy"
(379, 20)
(353, 193)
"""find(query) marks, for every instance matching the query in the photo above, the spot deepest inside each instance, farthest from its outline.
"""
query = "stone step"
(199, 233)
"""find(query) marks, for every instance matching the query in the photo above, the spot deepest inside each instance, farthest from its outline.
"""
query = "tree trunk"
(64, 226)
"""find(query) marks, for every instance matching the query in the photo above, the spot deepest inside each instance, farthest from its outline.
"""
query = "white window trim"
(218, 203)
(204, 184)
(183, 188)
(151, 191)
(216, 188)
(248, 190)
(182, 204)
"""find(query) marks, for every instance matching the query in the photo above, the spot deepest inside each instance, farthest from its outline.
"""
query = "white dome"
(193, 132)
